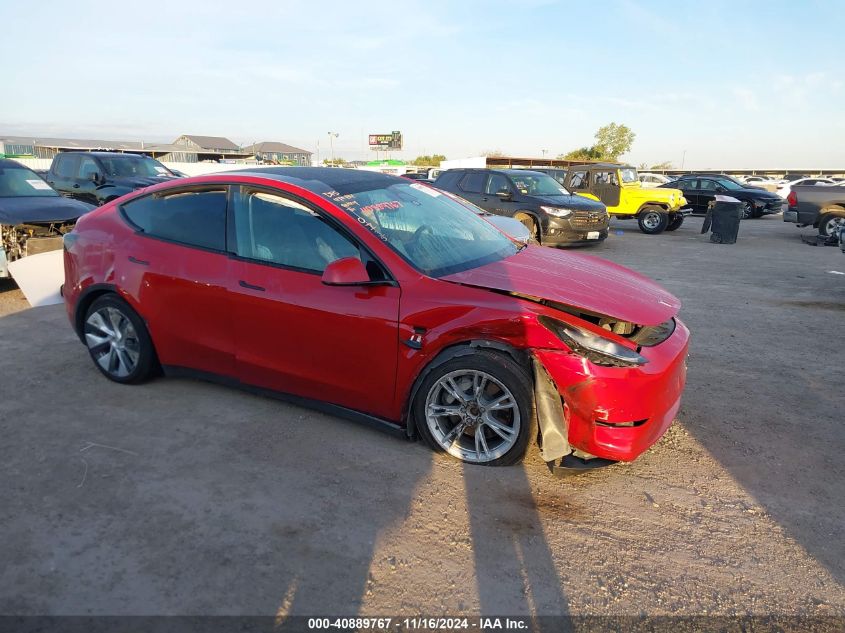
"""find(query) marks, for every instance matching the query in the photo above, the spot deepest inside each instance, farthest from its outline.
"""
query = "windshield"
(536, 184)
(125, 165)
(629, 174)
(20, 182)
(436, 235)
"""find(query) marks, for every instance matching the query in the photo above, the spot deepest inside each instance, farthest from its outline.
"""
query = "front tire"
(747, 211)
(530, 224)
(118, 341)
(477, 408)
(652, 220)
(675, 223)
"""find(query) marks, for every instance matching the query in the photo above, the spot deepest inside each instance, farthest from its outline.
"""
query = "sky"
(702, 84)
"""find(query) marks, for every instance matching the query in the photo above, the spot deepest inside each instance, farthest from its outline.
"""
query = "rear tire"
(829, 221)
(675, 223)
(747, 211)
(652, 220)
(118, 341)
(485, 392)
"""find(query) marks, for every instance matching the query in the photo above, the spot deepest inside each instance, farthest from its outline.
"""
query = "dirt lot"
(180, 497)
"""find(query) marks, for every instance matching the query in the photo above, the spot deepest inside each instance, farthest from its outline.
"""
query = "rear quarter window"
(193, 218)
(473, 182)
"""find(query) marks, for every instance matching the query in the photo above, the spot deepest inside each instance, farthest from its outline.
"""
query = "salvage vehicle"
(100, 177)
(33, 217)
(822, 207)
(701, 190)
(619, 188)
(553, 216)
(383, 300)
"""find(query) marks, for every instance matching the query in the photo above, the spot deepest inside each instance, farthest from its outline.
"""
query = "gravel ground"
(181, 497)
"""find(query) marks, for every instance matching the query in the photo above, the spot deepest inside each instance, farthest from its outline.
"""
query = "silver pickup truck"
(818, 206)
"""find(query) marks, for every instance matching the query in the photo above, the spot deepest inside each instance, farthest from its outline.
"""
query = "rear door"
(293, 333)
(471, 187)
(176, 267)
(706, 193)
(689, 187)
(62, 175)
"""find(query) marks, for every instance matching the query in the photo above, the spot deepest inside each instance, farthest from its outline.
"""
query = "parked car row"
(701, 189)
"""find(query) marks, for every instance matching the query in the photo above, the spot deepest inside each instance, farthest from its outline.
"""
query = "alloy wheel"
(746, 211)
(472, 416)
(833, 223)
(113, 342)
(651, 220)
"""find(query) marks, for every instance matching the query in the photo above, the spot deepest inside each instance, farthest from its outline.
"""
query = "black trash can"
(722, 220)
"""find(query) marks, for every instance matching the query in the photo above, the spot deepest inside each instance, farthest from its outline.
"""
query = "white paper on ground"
(40, 276)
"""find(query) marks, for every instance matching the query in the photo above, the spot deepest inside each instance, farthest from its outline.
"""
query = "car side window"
(275, 229)
(497, 183)
(707, 185)
(579, 180)
(193, 218)
(605, 178)
(66, 165)
(473, 182)
(87, 166)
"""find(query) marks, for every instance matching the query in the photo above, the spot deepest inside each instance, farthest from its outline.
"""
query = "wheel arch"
(86, 298)
(835, 208)
(456, 350)
(662, 205)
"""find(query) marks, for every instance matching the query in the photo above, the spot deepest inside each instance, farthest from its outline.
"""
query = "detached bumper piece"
(572, 465)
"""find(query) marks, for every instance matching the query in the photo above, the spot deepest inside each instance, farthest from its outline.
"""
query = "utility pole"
(683, 159)
(332, 136)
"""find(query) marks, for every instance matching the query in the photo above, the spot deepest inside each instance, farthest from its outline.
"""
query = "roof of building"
(212, 142)
(276, 147)
(70, 143)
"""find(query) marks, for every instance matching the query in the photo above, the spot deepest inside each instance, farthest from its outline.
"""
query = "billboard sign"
(392, 141)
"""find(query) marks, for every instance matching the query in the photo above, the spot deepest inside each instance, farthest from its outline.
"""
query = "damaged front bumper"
(593, 416)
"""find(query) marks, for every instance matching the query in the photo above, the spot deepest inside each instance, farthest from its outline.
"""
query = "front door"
(295, 334)
(605, 186)
(494, 202)
(689, 187)
(85, 188)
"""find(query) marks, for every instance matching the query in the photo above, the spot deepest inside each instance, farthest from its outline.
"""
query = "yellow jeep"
(619, 188)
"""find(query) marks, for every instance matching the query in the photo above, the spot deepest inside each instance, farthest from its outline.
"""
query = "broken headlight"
(593, 347)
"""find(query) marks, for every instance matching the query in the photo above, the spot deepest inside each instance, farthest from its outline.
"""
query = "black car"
(100, 177)
(552, 214)
(33, 217)
(418, 177)
(701, 189)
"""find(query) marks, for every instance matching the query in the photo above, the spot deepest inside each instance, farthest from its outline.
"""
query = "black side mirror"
(504, 194)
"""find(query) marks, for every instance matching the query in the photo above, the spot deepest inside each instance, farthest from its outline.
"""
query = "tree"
(612, 141)
(337, 161)
(492, 153)
(666, 164)
(583, 153)
(426, 160)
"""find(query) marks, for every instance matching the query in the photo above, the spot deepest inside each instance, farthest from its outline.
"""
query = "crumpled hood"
(580, 281)
(35, 209)
(136, 182)
(579, 203)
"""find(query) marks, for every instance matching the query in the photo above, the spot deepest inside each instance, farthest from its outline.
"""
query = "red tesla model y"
(383, 300)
